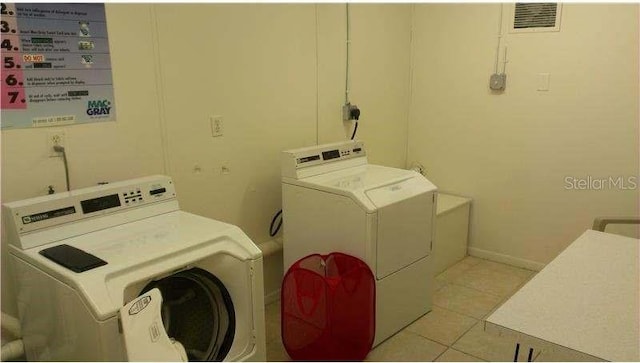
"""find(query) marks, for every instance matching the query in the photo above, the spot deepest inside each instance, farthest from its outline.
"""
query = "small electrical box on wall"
(498, 81)
(350, 112)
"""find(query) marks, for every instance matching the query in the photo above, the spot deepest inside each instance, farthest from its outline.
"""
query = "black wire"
(273, 232)
(355, 128)
(66, 167)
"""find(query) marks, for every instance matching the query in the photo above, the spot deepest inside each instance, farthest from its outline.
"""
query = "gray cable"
(346, 78)
(499, 39)
(60, 149)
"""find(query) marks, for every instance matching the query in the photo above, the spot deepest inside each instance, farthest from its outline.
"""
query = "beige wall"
(512, 151)
(276, 75)
(380, 59)
(274, 72)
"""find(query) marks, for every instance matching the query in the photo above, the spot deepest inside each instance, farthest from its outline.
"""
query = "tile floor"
(452, 331)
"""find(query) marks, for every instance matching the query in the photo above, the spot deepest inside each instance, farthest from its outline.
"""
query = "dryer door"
(145, 338)
(405, 221)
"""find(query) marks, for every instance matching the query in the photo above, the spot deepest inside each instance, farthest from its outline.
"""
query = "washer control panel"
(57, 209)
(133, 196)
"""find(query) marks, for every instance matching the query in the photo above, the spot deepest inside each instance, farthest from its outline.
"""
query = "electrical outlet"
(55, 138)
(224, 167)
(350, 112)
(217, 125)
(417, 167)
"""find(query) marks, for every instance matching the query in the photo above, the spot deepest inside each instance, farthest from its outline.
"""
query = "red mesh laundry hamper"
(328, 308)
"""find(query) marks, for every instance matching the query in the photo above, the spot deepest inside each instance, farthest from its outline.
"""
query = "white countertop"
(586, 299)
(449, 202)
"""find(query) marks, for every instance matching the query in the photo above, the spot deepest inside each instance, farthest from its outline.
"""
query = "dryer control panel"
(30, 215)
(310, 158)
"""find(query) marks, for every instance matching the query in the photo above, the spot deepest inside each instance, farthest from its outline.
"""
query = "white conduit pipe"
(14, 349)
(11, 325)
(270, 247)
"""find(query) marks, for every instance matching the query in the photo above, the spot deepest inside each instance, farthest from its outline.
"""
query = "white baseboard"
(510, 260)
(272, 297)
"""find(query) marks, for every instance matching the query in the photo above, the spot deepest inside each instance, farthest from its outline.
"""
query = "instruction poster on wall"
(56, 66)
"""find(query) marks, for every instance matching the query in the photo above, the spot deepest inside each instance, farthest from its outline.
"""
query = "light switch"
(543, 81)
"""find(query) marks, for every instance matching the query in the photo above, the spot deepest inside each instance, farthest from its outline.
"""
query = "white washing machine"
(333, 200)
(118, 272)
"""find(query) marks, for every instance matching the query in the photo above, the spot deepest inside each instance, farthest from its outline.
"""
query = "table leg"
(517, 352)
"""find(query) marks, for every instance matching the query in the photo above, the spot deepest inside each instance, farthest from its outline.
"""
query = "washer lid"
(144, 336)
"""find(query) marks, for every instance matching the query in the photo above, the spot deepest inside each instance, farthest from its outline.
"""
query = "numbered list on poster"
(56, 65)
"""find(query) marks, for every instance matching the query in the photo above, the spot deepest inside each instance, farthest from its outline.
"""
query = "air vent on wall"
(535, 17)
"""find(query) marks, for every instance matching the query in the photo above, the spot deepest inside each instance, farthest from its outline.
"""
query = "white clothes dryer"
(334, 200)
(118, 272)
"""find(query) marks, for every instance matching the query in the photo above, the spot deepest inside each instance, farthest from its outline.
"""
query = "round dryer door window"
(198, 312)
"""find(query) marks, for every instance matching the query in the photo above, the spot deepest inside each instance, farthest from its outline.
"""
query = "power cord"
(349, 111)
(60, 149)
(272, 231)
(355, 114)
